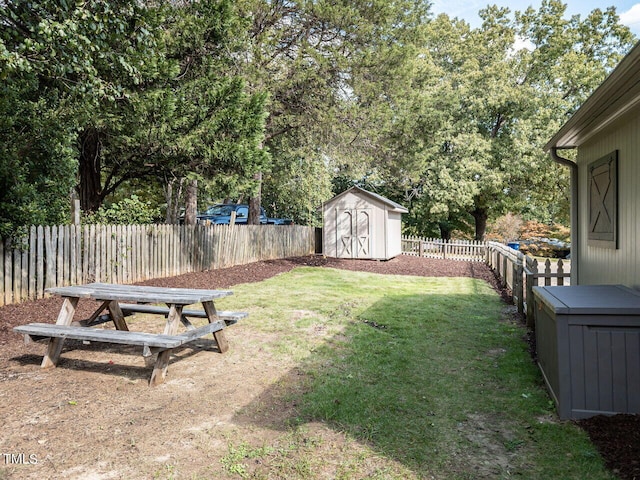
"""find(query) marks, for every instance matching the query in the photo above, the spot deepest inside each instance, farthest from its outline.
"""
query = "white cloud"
(631, 18)
(523, 43)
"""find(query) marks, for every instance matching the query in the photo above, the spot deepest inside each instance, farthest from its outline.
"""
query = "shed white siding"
(394, 235)
(606, 265)
(361, 224)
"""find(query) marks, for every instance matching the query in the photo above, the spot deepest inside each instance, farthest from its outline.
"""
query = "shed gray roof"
(617, 95)
(395, 207)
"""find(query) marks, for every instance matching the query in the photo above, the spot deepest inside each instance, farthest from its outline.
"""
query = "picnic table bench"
(112, 297)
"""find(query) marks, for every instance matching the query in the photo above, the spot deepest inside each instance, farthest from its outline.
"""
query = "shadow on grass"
(99, 357)
(401, 377)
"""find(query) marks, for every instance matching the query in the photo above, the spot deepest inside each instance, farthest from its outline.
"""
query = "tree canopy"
(289, 100)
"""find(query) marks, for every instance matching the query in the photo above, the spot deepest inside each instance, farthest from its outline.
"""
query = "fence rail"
(438, 248)
(520, 273)
(70, 254)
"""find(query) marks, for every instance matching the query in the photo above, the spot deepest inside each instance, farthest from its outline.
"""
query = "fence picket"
(24, 281)
(560, 272)
(547, 272)
(17, 274)
(33, 238)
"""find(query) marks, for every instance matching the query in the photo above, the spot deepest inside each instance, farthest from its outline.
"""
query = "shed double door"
(353, 227)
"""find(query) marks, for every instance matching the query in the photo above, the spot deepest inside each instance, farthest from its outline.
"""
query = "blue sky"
(628, 10)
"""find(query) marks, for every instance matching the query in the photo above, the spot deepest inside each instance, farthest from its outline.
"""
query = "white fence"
(64, 255)
(520, 273)
(465, 250)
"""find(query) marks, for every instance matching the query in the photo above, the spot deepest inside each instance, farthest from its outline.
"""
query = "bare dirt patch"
(95, 416)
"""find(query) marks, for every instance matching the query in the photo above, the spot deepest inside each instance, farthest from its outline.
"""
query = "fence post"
(518, 287)
(504, 269)
(532, 269)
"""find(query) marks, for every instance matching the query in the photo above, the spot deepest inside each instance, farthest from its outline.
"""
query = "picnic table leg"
(212, 316)
(162, 363)
(65, 317)
(117, 316)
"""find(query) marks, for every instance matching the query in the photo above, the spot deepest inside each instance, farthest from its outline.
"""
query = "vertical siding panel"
(590, 369)
(632, 348)
(619, 378)
(577, 364)
(605, 371)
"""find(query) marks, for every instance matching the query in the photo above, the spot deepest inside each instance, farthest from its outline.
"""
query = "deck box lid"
(590, 299)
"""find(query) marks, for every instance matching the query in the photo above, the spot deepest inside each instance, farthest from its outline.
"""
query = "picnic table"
(120, 301)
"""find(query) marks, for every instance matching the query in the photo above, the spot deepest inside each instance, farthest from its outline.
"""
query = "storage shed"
(362, 224)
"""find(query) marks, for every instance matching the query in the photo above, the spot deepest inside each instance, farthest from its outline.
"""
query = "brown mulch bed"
(617, 438)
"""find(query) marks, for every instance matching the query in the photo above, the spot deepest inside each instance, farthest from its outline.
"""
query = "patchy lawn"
(335, 374)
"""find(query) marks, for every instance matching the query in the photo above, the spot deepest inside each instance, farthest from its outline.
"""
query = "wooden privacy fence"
(69, 254)
(438, 248)
(520, 273)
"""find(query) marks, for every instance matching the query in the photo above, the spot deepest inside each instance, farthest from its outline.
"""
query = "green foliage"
(148, 92)
(129, 211)
(474, 144)
(37, 168)
(59, 62)
(323, 64)
(445, 119)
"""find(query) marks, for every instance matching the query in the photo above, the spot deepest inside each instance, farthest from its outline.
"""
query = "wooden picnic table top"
(139, 293)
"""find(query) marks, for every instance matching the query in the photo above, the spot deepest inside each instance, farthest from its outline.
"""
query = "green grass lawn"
(421, 378)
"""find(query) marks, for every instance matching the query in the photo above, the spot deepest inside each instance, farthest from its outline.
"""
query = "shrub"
(505, 229)
(129, 211)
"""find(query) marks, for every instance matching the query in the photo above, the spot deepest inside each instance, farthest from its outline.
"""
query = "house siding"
(600, 265)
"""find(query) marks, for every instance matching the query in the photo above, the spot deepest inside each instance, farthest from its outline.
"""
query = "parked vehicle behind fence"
(220, 214)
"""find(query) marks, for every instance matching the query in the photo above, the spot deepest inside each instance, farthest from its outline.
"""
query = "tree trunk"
(480, 215)
(254, 202)
(90, 170)
(191, 203)
(168, 196)
(173, 195)
(445, 231)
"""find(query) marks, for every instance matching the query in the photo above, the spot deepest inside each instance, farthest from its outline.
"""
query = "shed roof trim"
(395, 207)
(619, 93)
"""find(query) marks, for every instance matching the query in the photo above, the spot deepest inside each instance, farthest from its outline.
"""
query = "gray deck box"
(588, 345)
